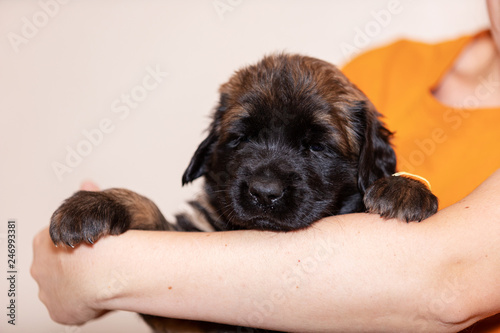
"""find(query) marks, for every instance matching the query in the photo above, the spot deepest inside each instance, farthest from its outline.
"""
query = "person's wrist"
(97, 290)
(119, 279)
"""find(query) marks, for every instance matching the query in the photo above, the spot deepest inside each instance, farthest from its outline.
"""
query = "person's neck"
(475, 76)
(480, 58)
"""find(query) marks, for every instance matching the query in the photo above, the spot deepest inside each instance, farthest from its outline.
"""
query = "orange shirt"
(455, 149)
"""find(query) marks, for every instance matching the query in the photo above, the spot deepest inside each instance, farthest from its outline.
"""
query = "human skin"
(345, 273)
(494, 14)
(478, 61)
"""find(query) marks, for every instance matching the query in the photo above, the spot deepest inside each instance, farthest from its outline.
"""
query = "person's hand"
(64, 286)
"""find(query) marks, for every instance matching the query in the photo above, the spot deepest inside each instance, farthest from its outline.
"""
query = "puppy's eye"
(238, 140)
(316, 147)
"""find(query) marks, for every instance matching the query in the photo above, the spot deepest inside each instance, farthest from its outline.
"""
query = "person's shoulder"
(401, 61)
(403, 54)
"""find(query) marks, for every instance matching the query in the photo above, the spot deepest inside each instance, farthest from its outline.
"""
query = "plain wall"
(65, 67)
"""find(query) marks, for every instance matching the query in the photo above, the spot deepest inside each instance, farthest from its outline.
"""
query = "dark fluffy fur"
(291, 141)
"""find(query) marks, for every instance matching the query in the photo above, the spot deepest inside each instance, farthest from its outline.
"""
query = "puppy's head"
(291, 141)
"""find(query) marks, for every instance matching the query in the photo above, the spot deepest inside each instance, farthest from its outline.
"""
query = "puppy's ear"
(201, 158)
(198, 165)
(376, 158)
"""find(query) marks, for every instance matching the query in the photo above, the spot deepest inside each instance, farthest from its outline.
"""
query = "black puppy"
(291, 141)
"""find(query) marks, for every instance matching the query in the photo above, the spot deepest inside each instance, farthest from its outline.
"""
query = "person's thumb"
(89, 186)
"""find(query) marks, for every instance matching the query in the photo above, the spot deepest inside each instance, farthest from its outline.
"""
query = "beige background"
(65, 65)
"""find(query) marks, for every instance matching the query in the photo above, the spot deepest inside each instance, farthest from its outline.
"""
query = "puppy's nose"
(266, 191)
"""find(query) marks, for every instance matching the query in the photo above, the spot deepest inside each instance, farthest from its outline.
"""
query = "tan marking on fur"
(144, 213)
(230, 117)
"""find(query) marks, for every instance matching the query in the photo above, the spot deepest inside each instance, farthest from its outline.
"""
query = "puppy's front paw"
(87, 216)
(400, 197)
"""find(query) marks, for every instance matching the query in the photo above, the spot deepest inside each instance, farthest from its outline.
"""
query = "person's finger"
(89, 186)
(37, 241)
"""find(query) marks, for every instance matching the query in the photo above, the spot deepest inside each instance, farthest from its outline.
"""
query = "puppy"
(291, 141)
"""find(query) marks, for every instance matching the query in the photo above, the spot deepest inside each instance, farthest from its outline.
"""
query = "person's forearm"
(348, 273)
(329, 279)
